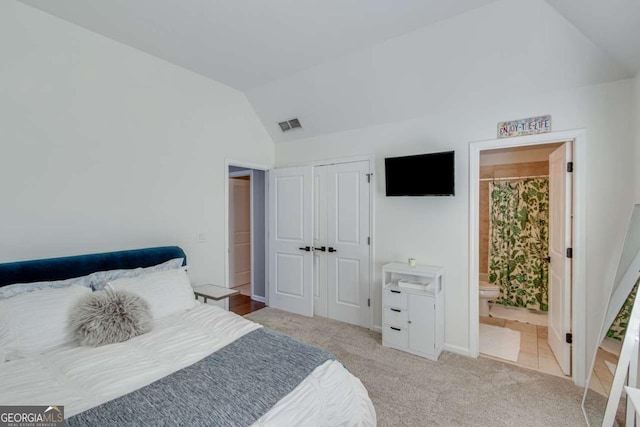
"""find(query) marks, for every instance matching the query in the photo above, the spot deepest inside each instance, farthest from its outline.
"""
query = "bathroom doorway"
(518, 207)
(513, 253)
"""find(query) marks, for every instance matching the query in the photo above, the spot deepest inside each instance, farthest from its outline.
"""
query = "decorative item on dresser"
(413, 309)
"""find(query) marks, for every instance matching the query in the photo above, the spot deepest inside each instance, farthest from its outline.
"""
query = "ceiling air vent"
(289, 124)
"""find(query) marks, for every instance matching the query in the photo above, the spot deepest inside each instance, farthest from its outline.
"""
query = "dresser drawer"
(395, 336)
(395, 316)
(394, 298)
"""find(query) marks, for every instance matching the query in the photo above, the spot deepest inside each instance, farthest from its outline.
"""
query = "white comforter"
(83, 377)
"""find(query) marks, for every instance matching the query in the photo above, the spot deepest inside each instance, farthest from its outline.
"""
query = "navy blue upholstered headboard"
(82, 265)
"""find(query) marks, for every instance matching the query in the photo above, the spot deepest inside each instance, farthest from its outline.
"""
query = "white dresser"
(413, 317)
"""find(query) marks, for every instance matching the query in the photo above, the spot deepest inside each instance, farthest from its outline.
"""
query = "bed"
(199, 366)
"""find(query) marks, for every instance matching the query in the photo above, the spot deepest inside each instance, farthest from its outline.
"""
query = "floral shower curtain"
(519, 230)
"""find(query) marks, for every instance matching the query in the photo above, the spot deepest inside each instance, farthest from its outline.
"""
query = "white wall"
(636, 120)
(435, 229)
(104, 147)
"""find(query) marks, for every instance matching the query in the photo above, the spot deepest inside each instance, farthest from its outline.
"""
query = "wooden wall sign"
(529, 126)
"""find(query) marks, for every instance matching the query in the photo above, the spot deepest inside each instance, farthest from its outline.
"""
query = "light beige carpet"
(408, 390)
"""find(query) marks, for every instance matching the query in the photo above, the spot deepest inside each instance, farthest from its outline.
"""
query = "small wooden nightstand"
(214, 292)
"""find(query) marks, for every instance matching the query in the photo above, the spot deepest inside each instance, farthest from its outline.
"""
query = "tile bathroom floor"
(535, 353)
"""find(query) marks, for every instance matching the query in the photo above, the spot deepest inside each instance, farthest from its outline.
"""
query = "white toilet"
(487, 292)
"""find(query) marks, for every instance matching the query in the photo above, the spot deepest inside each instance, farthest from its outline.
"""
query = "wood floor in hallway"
(243, 304)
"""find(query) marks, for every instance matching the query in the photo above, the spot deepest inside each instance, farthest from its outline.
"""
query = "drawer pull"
(395, 329)
(395, 292)
(395, 309)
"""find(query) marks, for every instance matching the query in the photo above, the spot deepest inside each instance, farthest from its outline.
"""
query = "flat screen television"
(422, 175)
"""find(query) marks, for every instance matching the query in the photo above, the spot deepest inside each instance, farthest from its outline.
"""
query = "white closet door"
(290, 229)
(320, 240)
(560, 266)
(347, 242)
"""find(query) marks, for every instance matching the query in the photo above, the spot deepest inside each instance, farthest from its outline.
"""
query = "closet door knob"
(321, 248)
(332, 250)
(306, 248)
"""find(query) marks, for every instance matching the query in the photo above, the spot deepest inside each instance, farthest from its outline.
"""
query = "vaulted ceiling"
(378, 60)
(613, 25)
(246, 43)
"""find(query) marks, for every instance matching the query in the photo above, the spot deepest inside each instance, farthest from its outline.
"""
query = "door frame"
(227, 273)
(240, 174)
(372, 166)
(578, 276)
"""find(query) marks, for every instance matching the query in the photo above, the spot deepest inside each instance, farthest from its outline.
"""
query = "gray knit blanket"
(234, 386)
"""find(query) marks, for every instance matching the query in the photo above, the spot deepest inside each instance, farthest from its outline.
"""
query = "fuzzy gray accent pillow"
(108, 317)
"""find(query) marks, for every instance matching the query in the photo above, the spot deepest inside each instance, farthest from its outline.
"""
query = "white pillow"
(16, 289)
(37, 322)
(167, 292)
(100, 279)
(97, 280)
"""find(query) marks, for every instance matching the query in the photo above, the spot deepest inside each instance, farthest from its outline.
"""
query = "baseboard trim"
(377, 329)
(259, 299)
(457, 349)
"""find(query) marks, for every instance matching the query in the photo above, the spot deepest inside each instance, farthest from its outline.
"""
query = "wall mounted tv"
(422, 175)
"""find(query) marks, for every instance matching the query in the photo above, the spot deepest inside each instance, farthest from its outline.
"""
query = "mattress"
(81, 378)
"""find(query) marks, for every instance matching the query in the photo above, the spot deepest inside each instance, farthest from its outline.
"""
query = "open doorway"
(246, 238)
(566, 246)
(515, 223)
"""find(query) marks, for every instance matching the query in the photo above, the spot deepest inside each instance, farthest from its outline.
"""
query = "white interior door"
(560, 267)
(240, 222)
(347, 207)
(320, 241)
(290, 229)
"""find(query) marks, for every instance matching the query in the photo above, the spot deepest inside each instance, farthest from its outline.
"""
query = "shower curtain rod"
(509, 178)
